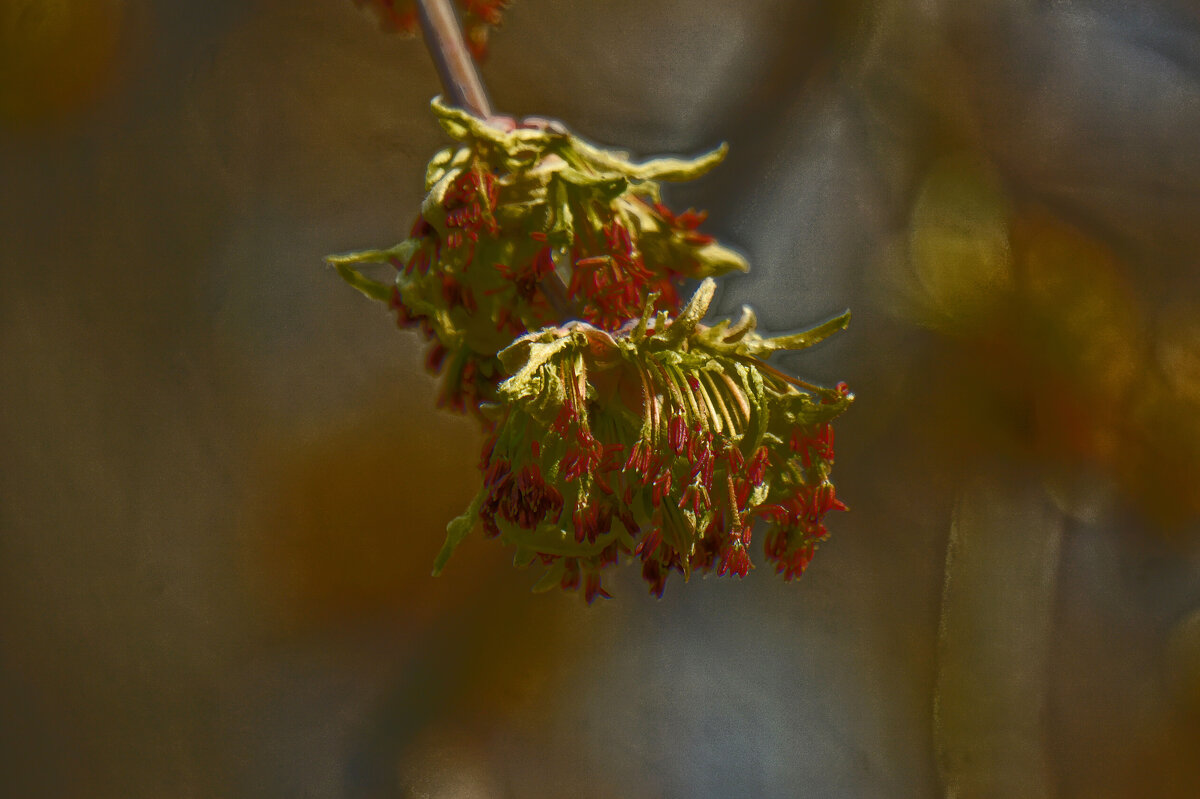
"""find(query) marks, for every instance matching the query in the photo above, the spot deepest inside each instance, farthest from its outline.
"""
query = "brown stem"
(443, 37)
(464, 88)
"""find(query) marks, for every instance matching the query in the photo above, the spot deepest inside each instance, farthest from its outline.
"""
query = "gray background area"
(223, 478)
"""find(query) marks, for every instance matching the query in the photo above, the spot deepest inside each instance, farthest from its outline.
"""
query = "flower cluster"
(662, 441)
(479, 16)
(633, 430)
(523, 225)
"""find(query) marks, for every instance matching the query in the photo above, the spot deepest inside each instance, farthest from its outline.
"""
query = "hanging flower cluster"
(478, 18)
(525, 224)
(545, 273)
(664, 441)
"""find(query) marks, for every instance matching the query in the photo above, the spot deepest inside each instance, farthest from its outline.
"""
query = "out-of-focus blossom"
(57, 57)
(1047, 348)
(478, 18)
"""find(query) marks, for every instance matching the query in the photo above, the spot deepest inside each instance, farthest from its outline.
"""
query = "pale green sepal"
(370, 288)
(685, 324)
(670, 169)
(797, 341)
(401, 252)
(523, 355)
(344, 264)
(457, 530)
(717, 260)
(550, 579)
(437, 167)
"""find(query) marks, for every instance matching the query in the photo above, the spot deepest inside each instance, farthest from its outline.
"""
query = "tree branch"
(443, 37)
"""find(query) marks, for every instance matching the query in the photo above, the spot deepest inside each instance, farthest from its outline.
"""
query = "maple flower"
(478, 17)
(664, 441)
(517, 214)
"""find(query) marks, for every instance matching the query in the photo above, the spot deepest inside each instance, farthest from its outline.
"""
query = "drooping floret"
(525, 225)
(665, 441)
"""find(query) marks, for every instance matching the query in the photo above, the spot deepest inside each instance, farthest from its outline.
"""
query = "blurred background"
(224, 480)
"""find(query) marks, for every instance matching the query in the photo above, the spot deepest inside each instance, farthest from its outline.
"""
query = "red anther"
(570, 580)
(593, 588)
(635, 456)
(572, 466)
(649, 543)
(691, 496)
(421, 228)
(734, 559)
(503, 319)
(435, 358)
(608, 555)
(677, 434)
(736, 461)
(662, 488)
(627, 521)
(758, 466)
(468, 301)
(654, 574)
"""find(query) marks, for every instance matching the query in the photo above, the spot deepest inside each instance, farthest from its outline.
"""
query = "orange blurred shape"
(1162, 461)
(347, 521)
(344, 527)
(1082, 328)
(1047, 347)
(57, 57)
(959, 271)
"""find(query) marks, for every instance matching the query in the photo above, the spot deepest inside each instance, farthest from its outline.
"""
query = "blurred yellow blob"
(1183, 662)
(1046, 347)
(1080, 304)
(56, 56)
(1083, 333)
(1177, 351)
(958, 247)
(1163, 451)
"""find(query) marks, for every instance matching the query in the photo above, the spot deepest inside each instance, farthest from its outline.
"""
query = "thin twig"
(443, 37)
(464, 88)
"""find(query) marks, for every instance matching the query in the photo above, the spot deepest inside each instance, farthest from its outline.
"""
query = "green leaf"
(531, 351)
(401, 252)
(344, 264)
(550, 579)
(759, 347)
(717, 260)
(521, 147)
(370, 288)
(563, 228)
(437, 167)
(669, 169)
(606, 187)
(685, 324)
(457, 530)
